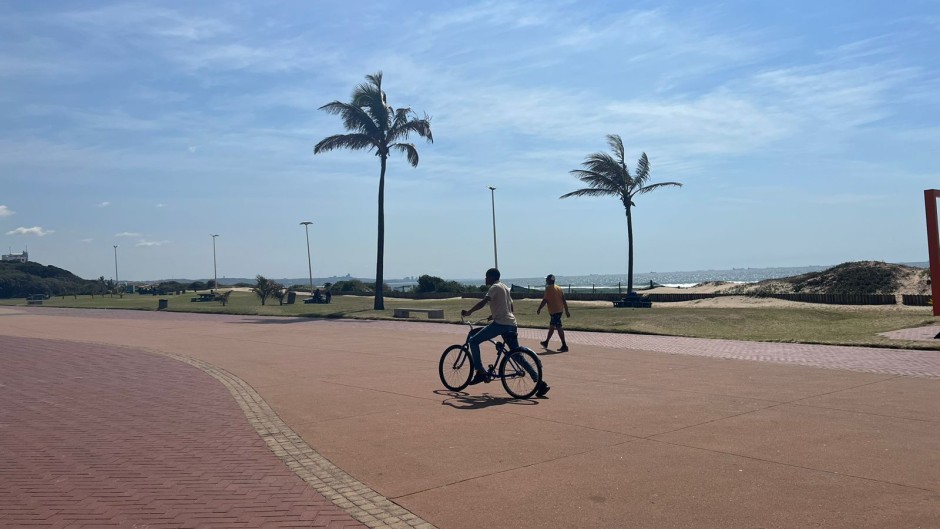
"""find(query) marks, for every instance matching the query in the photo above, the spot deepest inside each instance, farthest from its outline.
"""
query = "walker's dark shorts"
(556, 320)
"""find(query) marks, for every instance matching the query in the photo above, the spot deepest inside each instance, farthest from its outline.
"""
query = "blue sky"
(804, 134)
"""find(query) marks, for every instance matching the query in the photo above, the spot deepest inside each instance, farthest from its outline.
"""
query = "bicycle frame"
(501, 350)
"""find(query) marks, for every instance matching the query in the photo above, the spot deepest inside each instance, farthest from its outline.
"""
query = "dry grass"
(738, 318)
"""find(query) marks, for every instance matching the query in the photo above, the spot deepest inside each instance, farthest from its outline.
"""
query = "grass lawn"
(807, 323)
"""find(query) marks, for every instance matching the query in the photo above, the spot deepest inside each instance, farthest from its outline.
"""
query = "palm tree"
(375, 126)
(608, 175)
(265, 287)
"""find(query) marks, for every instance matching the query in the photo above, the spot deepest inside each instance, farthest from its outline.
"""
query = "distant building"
(16, 257)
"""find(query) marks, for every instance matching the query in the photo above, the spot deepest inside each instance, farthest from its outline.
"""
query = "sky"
(803, 132)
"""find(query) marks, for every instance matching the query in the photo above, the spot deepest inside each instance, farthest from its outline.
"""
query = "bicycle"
(519, 368)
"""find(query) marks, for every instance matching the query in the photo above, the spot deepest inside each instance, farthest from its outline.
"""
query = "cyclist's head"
(492, 276)
(550, 279)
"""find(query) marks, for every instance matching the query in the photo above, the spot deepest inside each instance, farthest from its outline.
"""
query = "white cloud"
(35, 230)
(161, 205)
(103, 204)
(5, 211)
(127, 234)
(151, 243)
(87, 240)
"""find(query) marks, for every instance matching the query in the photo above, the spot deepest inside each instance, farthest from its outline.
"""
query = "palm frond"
(590, 192)
(598, 180)
(371, 97)
(345, 141)
(605, 164)
(616, 145)
(642, 173)
(403, 127)
(375, 79)
(409, 150)
(355, 119)
(652, 187)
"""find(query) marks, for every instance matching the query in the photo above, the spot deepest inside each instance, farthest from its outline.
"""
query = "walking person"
(504, 322)
(555, 299)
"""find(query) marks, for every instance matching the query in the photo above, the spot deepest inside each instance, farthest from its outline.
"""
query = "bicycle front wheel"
(521, 373)
(455, 367)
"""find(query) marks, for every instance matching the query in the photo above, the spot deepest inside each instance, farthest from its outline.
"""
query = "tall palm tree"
(375, 126)
(608, 175)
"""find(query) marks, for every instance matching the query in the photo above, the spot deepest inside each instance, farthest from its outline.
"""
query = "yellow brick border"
(347, 493)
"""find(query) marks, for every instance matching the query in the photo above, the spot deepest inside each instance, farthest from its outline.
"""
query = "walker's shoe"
(563, 349)
(542, 389)
(480, 377)
(544, 344)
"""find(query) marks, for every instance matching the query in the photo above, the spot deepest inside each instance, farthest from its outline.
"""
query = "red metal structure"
(933, 246)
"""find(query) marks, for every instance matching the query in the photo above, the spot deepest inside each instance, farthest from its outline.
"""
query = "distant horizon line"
(239, 279)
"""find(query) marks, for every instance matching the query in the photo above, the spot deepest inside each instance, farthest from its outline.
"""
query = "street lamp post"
(306, 224)
(116, 280)
(493, 202)
(215, 273)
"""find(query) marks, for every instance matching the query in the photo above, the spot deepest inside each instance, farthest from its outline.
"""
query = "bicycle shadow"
(464, 401)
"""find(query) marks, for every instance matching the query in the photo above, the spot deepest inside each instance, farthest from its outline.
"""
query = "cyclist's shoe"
(542, 389)
(480, 377)
(563, 349)
(544, 344)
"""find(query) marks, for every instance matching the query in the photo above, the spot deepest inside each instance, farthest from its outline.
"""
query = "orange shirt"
(555, 298)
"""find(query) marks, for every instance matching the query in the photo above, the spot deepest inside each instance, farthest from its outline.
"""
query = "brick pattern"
(363, 503)
(101, 436)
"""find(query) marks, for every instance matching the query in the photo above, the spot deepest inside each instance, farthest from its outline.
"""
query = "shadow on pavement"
(466, 401)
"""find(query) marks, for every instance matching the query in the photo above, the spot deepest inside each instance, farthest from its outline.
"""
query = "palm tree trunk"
(380, 252)
(629, 251)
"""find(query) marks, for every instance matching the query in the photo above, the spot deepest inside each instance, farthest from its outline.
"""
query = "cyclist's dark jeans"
(492, 331)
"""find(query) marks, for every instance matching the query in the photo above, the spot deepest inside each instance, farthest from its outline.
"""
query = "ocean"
(673, 279)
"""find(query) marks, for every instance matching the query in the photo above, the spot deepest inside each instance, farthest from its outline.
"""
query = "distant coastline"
(673, 279)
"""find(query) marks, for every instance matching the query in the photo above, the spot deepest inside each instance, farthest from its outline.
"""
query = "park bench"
(36, 299)
(433, 314)
(314, 300)
(203, 298)
(635, 301)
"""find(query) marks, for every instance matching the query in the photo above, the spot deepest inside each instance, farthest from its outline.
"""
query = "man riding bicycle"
(504, 323)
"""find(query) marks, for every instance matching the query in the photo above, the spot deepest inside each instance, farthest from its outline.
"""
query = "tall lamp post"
(116, 280)
(306, 224)
(493, 202)
(215, 273)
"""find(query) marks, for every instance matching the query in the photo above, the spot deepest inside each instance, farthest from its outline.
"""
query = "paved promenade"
(140, 419)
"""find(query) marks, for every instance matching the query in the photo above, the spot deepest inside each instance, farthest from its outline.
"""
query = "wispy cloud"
(151, 243)
(38, 231)
(127, 234)
(103, 204)
(87, 240)
(5, 211)
(161, 205)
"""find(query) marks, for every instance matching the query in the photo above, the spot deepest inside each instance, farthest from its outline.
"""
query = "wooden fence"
(921, 300)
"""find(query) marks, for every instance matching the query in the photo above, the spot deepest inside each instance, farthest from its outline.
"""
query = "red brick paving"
(101, 436)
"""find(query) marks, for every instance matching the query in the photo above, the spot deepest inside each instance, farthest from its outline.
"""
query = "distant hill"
(859, 277)
(18, 280)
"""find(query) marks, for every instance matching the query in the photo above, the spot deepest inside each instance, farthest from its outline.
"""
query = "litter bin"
(161, 304)
(291, 297)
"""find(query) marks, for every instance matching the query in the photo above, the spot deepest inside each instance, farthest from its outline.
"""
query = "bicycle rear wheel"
(455, 367)
(521, 373)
